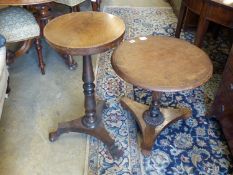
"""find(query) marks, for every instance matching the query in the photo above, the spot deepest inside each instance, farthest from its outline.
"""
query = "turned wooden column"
(43, 15)
(153, 116)
(89, 120)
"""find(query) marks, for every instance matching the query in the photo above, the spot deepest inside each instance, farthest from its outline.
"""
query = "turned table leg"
(182, 14)
(96, 5)
(202, 26)
(43, 15)
(40, 55)
(75, 8)
(91, 123)
(89, 120)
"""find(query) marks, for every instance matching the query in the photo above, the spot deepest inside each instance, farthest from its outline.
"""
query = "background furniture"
(17, 24)
(3, 72)
(217, 11)
(95, 5)
(28, 21)
(42, 7)
(167, 65)
(73, 4)
(222, 107)
(175, 5)
(90, 33)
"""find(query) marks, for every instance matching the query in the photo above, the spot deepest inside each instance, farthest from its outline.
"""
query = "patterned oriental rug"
(192, 146)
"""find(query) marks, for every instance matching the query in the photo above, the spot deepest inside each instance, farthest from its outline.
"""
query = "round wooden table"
(86, 33)
(160, 64)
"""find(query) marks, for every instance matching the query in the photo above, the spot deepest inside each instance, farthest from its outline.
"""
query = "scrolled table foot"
(73, 65)
(53, 136)
(70, 62)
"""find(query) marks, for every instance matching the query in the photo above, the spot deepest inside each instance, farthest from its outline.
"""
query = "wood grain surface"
(162, 63)
(85, 33)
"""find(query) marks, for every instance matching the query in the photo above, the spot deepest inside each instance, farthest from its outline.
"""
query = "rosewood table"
(90, 33)
(160, 64)
(218, 11)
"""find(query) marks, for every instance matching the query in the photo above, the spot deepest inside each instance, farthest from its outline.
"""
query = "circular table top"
(85, 33)
(162, 63)
(23, 2)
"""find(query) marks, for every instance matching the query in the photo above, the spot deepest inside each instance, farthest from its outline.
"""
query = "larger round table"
(86, 33)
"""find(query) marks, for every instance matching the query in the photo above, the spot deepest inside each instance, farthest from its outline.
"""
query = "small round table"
(86, 33)
(160, 64)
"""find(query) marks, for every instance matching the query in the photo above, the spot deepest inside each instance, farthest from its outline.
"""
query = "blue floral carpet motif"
(195, 146)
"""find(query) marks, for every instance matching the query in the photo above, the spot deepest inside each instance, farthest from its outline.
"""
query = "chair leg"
(24, 48)
(8, 89)
(11, 56)
(202, 27)
(183, 10)
(40, 56)
(75, 8)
